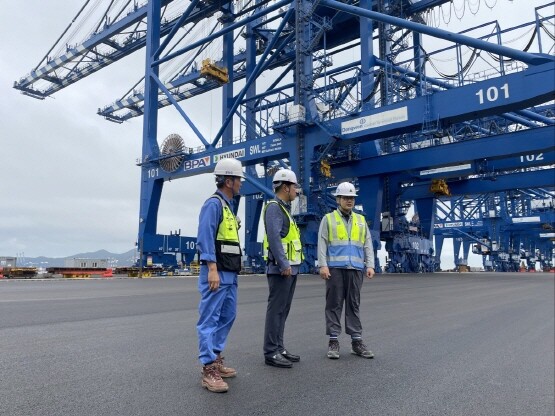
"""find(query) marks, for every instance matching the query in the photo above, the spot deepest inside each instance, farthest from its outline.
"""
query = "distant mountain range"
(115, 260)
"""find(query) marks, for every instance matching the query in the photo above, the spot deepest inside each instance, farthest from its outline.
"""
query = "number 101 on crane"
(492, 94)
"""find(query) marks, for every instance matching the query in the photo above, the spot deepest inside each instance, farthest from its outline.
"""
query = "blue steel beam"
(181, 112)
(180, 22)
(479, 226)
(332, 41)
(192, 78)
(481, 166)
(527, 142)
(529, 147)
(516, 91)
(517, 143)
(419, 77)
(254, 151)
(255, 73)
(521, 117)
(531, 179)
(225, 30)
(458, 231)
(133, 102)
(77, 52)
(151, 187)
(454, 209)
(532, 59)
(528, 159)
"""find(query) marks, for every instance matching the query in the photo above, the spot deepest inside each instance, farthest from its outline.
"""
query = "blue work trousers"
(217, 311)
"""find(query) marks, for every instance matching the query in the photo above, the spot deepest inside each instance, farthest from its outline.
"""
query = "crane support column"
(151, 185)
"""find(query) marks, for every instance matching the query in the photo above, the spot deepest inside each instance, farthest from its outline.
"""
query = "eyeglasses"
(348, 198)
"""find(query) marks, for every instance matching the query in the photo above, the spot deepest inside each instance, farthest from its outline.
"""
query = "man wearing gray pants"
(282, 243)
(345, 254)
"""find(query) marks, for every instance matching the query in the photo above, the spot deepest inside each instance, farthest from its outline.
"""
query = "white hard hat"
(229, 167)
(346, 189)
(285, 175)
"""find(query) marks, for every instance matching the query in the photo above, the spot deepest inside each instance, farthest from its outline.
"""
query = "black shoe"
(291, 357)
(278, 360)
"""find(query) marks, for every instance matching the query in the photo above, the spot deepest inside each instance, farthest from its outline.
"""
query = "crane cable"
(61, 36)
(526, 48)
(463, 70)
(79, 27)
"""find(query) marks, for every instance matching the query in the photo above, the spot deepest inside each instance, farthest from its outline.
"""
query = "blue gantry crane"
(367, 91)
(511, 229)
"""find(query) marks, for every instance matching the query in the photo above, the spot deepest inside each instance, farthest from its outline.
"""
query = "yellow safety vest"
(229, 228)
(228, 249)
(344, 250)
(291, 243)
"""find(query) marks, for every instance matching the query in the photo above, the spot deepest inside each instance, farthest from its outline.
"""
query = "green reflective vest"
(228, 249)
(346, 250)
(291, 243)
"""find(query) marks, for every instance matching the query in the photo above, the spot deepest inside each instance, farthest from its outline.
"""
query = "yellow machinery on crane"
(211, 70)
(439, 187)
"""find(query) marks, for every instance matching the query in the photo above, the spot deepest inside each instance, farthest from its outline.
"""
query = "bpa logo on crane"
(196, 163)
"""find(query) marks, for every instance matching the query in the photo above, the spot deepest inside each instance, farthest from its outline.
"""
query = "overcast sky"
(68, 179)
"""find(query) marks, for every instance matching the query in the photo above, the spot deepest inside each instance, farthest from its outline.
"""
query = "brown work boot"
(225, 372)
(358, 347)
(212, 380)
(333, 349)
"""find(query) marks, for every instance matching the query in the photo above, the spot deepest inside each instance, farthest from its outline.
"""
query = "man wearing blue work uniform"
(220, 261)
(345, 254)
(282, 243)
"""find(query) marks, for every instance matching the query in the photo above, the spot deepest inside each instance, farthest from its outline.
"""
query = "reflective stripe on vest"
(292, 246)
(344, 250)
